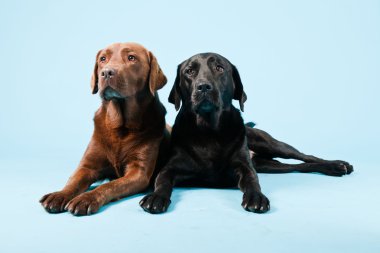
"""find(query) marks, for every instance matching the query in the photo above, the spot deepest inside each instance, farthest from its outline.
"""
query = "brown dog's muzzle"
(109, 74)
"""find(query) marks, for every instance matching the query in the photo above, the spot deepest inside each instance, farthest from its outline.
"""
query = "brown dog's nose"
(108, 73)
(204, 87)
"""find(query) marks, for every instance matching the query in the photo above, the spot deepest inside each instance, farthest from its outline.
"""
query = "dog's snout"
(108, 73)
(204, 87)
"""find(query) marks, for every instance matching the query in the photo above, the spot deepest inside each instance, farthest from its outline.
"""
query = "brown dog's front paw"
(255, 202)
(55, 202)
(85, 204)
(154, 203)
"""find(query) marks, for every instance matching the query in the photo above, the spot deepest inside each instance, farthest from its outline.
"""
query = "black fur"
(210, 144)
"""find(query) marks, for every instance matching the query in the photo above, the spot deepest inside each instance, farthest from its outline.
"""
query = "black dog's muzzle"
(206, 106)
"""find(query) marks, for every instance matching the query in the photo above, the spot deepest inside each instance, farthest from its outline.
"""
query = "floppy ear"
(94, 78)
(157, 79)
(175, 95)
(239, 93)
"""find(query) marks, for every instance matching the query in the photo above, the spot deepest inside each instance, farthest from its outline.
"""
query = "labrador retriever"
(211, 146)
(128, 136)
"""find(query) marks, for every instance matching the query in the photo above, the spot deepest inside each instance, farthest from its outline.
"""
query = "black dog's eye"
(219, 68)
(190, 71)
(131, 58)
(103, 59)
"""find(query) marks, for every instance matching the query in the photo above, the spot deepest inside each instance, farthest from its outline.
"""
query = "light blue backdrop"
(311, 70)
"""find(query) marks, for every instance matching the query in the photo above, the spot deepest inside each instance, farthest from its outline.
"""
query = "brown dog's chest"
(120, 150)
(123, 144)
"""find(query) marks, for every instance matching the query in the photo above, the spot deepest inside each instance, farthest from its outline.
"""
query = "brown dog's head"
(123, 70)
(206, 84)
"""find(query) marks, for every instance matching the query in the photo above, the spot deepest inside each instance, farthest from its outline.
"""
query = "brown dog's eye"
(190, 71)
(219, 68)
(103, 59)
(131, 58)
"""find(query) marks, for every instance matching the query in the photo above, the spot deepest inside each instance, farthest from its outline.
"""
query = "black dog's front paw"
(255, 202)
(154, 203)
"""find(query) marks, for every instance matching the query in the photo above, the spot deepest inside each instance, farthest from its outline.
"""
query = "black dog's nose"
(108, 73)
(204, 87)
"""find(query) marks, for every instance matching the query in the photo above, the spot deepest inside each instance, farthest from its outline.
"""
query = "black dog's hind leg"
(265, 165)
(265, 147)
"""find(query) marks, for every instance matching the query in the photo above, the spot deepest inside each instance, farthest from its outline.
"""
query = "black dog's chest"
(211, 157)
(208, 154)
(212, 153)
(210, 166)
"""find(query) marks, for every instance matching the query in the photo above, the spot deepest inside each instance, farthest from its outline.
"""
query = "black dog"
(210, 141)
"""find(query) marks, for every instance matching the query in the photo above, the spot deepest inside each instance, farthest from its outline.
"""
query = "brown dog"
(129, 130)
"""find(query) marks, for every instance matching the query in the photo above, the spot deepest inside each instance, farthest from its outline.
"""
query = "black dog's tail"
(259, 142)
(250, 134)
(250, 124)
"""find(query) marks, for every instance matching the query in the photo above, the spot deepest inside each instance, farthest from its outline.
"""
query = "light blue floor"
(310, 213)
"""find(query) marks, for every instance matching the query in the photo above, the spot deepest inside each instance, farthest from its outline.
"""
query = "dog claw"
(154, 203)
(54, 202)
(255, 202)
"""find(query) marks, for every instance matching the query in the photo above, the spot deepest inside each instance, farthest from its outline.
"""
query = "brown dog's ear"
(175, 95)
(239, 93)
(94, 78)
(157, 79)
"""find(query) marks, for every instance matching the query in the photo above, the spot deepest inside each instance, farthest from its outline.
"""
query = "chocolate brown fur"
(129, 131)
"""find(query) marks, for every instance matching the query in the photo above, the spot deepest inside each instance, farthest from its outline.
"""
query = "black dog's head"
(206, 84)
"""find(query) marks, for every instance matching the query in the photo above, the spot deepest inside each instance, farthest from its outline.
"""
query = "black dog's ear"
(175, 95)
(94, 78)
(239, 93)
